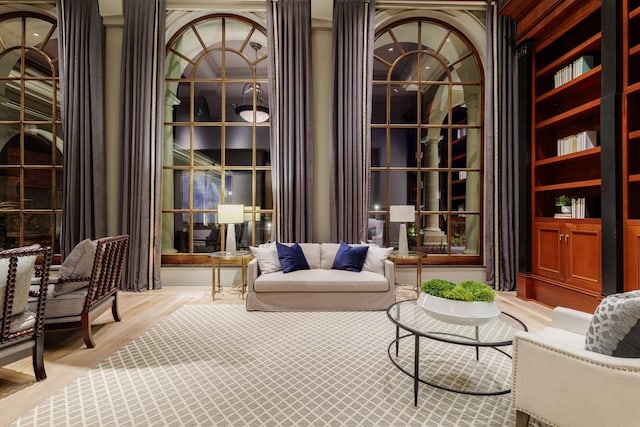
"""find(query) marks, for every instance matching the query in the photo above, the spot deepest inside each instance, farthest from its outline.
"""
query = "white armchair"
(557, 381)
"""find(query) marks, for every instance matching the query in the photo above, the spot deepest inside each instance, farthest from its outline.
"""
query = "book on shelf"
(562, 215)
(581, 141)
(573, 70)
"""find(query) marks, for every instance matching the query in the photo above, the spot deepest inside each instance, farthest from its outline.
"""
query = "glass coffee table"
(494, 335)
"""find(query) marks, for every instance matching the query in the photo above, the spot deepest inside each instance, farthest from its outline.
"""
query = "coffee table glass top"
(413, 318)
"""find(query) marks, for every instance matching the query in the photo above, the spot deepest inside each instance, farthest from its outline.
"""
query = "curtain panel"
(81, 45)
(350, 152)
(507, 155)
(290, 105)
(142, 94)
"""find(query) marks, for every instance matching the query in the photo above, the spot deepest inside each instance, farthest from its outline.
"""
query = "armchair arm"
(562, 385)
(252, 274)
(570, 320)
(389, 273)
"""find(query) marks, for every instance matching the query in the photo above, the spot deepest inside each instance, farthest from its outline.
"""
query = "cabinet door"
(548, 242)
(583, 256)
(632, 258)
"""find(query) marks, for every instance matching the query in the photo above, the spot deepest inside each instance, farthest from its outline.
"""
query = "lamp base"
(231, 238)
(403, 244)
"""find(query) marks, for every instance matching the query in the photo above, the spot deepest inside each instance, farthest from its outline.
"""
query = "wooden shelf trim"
(634, 178)
(593, 73)
(634, 50)
(591, 44)
(634, 134)
(633, 88)
(571, 156)
(634, 13)
(584, 109)
(569, 185)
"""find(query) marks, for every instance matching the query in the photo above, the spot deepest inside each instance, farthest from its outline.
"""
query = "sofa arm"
(252, 274)
(390, 273)
(570, 320)
(565, 386)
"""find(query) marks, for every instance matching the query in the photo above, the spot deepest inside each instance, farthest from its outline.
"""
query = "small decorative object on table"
(467, 303)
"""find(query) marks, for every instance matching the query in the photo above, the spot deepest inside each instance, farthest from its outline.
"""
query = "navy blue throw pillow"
(350, 258)
(291, 257)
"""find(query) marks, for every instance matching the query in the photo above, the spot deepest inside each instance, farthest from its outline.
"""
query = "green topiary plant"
(469, 290)
(437, 287)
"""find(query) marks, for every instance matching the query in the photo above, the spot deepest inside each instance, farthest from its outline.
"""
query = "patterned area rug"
(222, 365)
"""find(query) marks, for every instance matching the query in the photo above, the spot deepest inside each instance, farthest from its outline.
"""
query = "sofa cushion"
(291, 258)
(77, 264)
(328, 254)
(311, 253)
(615, 328)
(350, 258)
(376, 256)
(321, 280)
(24, 272)
(267, 257)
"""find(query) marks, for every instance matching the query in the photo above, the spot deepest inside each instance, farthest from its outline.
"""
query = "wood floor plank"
(66, 357)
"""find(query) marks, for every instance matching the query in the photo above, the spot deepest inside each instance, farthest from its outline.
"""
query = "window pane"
(403, 146)
(175, 66)
(378, 196)
(238, 187)
(37, 229)
(464, 234)
(38, 66)
(433, 233)
(209, 67)
(35, 108)
(264, 228)
(264, 191)
(176, 225)
(404, 104)
(375, 229)
(403, 188)
(433, 36)
(206, 143)
(454, 48)
(38, 188)
(37, 145)
(9, 229)
(10, 99)
(210, 32)
(379, 104)
(378, 147)
(176, 143)
(10, 154)
(207, 101)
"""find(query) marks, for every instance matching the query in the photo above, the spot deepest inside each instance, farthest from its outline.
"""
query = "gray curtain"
(353, 31)
(507, 155)
(291, 117)
(490, 148)
(142, 92)
(81, 44)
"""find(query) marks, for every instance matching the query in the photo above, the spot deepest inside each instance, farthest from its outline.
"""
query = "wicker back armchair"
(21, 326)
(77, 299)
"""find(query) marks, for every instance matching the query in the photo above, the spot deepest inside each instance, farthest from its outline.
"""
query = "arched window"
(427, 143)
(30, 131)
(216, 137)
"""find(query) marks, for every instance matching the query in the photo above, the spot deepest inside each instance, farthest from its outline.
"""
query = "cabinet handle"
(561, 237)
(566, 237)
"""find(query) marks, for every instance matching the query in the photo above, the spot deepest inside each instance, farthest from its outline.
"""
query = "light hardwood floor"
(66, 357)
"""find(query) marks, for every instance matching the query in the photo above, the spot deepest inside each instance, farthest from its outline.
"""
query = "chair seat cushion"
(321, 280)
(69, 304)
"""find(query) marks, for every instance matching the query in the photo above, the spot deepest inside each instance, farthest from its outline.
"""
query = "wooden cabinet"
(561, 254)
(631, 139)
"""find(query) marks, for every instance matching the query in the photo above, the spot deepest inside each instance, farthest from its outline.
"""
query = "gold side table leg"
(213, 279)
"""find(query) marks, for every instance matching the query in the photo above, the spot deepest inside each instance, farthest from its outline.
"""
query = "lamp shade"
(230, 214)
(402, 213)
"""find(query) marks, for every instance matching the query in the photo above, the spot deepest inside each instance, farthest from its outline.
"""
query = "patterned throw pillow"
(615, 327)
(267, 257)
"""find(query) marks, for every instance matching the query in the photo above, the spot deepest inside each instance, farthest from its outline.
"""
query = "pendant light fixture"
(247, 110)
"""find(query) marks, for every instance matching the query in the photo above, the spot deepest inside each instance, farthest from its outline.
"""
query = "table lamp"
(402, 214)
(231, 215)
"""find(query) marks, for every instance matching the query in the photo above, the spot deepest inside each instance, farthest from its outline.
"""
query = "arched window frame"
(444, 248)
(254, 168)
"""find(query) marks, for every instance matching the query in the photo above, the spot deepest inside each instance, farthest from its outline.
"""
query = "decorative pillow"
(77, 264)
(24, 272)
(615, 326)
(376, 256)
(291, 257)
(267, 257)
(350, 258)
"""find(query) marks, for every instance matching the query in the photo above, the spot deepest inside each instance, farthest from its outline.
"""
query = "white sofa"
(557, 381)
(322, 288)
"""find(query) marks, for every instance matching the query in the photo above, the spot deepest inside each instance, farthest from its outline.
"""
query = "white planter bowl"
(459, 312)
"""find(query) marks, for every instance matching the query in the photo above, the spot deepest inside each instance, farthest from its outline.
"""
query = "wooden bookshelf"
(631, 140)
(564, 103)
